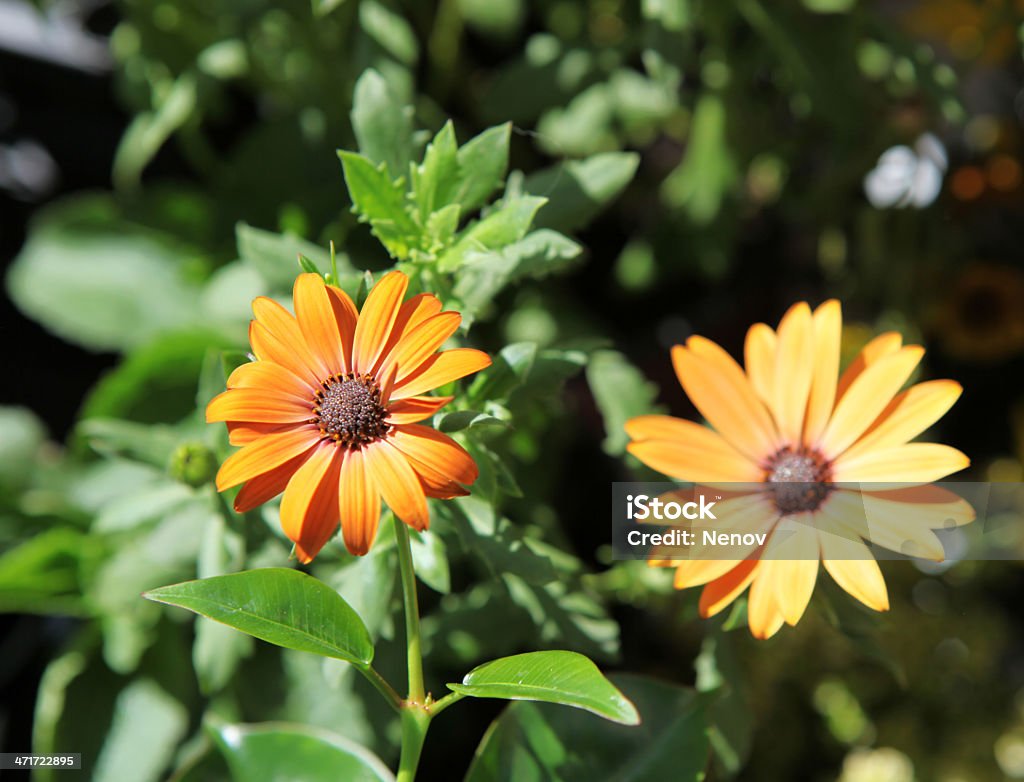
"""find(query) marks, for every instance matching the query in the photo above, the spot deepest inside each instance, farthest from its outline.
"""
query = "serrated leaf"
(380, 202)
(566, 678)
(434, 179)
(280, 606)
(382, 124)
(482, 163)
(507, 224)
(579, 190)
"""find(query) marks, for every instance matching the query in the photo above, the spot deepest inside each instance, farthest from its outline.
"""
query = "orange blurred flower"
(792, 424)
(328, 412)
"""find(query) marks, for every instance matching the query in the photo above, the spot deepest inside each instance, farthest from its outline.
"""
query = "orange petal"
(699, 456)
(720, 593)
(867, 397)
(909, 414)
(346, 316)
(376, 320)
(695, 572)
(420, 343)
(794, 368)
(416, 408)
(268, 348)
(250, 404)
(440, 369)
(909, 463)
(282, 324)
(411, 314)
(309, 508)
(244, 432)
(721, 392)
(317, 321)
(268, 376)
(881, 346)
(759, 359)
(397, 483)
(828, 330)
(426, 446)
(265, 487)
(263, 455)
(853, 567)
(359, 504)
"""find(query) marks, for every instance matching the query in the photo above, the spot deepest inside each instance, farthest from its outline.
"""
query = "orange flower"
(790, 418)
(328, 412)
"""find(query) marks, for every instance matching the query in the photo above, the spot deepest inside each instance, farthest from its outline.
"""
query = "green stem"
(438, 706)
(415, 721)
(385, 689)
(414, 709)
(412, 615)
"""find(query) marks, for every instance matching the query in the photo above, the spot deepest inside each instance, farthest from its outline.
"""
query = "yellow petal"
(881, 346)
(721, 392)
(828, 328)
(688, 451)
(853, 567)
(794, 367)
(909, 463)
(763, 613)
(866, 398)
(376, 320)
(793, 552)
(759, 351)
(909, 414)
(891, 525)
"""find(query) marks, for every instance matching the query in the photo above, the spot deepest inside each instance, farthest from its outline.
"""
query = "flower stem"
(412, 614)
(414, 709)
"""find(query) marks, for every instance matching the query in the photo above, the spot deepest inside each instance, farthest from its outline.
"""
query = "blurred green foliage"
(643, 148)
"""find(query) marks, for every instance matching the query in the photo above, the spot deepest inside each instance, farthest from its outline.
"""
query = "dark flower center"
(800, 480)
(348, 410)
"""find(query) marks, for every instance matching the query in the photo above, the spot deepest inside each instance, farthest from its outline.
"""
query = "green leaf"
(482, 163)
(41, 574)
(381, 203)
(434, 180)
(720, 679)
(383, 126)
(271, 752)
(21, 436)
(152, 444)
(566, 678)
(540, 743)
(98, 281)
(144, 716)
(621, 392)
(509, 370)
(390, 30)
(273, 255)
(280, 606)
(324, 7)
(461, 420)
(150, 130)
(431, 560)
(507, 224)
(579, 190)
(708, 172)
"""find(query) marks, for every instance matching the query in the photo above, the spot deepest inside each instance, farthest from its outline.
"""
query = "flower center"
(348, 410)
(799, 479)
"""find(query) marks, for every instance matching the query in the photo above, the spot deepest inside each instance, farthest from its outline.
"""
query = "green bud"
(193, 463)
